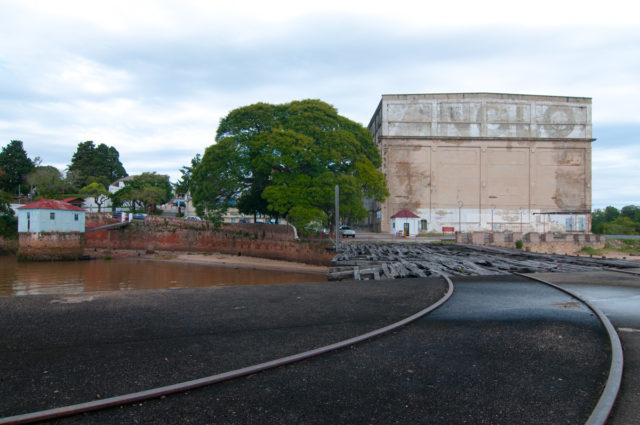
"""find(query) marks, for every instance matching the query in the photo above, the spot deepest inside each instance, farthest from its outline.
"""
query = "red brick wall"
(172, 234)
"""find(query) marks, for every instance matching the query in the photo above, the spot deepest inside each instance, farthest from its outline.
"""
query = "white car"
(347, 232)
(193, 217)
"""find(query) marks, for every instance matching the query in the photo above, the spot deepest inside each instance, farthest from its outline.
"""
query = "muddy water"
(26, 278)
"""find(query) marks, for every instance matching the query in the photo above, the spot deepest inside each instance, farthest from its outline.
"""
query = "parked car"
(139, 216)
(117, 214)
(347, 232)
(193, 218)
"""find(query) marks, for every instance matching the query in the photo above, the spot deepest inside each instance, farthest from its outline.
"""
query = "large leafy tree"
(92, 163)
(285, 160)
(46, 181)
(183, 185)
(148, 189)
(8, 221)
(14, 167)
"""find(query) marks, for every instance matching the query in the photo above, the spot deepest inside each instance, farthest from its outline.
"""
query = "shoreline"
(216, 259)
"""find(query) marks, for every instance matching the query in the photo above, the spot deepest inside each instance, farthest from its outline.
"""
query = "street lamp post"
(520, 220)
(460, 204)
(493, 207)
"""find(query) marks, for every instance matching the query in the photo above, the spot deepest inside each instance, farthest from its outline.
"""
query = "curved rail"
(214, 379)
(631, 272)
(603, 408)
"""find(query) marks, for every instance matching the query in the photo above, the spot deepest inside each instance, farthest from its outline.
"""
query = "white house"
(50, 215)
(406, 222)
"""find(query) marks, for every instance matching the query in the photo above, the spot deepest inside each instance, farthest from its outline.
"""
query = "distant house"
(406, 222)
(50, 215)
(78, 202)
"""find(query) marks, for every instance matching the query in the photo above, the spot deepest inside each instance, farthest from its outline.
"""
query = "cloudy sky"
(153, 78)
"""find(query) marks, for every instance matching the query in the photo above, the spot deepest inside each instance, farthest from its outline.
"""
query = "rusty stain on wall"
(498, 154)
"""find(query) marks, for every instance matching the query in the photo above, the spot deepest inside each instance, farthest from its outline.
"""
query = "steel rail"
(157, 392)
(631, 272)
(605, 403)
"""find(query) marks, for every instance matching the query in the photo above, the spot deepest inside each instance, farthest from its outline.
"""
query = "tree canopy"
(285, 160)
(46, 181)
(92, 163)
(98, 192)
(148, 189)
(616, 222)
(14, 167)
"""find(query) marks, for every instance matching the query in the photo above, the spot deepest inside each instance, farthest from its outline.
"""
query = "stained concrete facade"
(486, 161)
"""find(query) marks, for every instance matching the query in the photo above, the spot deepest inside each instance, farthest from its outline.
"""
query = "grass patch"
(590, 251)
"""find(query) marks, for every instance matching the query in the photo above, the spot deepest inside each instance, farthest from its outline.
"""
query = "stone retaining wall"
(50, 246)
(171, 234)
(545, 242)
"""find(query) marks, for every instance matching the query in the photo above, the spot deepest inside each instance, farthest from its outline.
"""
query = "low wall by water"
(50, 246)
(172, 234)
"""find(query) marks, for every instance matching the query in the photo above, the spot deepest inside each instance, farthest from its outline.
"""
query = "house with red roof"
(50, 215)
(405, 222)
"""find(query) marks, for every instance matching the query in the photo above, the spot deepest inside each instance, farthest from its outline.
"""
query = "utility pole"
(337, 196)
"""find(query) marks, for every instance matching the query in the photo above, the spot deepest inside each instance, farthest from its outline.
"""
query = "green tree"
(182, 186)
(8, 220)
(610, 214)
(98, 192)
(99, 164)
(622, 226)
(148, 189)
(14, 167)
(285, 160)
(46, 181)
(632, 212)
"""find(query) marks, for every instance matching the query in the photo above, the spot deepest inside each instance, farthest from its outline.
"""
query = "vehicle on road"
(347, 232)
(139, 216)
(193, 218)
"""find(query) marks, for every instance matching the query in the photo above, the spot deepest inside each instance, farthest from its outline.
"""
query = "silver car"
(347, 232)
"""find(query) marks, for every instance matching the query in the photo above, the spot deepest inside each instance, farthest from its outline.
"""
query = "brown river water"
(70, 277)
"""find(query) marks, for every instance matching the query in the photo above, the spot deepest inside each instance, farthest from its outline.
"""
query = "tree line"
(612, 221)
(91, 170)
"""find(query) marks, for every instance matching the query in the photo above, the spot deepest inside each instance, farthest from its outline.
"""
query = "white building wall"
(41, 220)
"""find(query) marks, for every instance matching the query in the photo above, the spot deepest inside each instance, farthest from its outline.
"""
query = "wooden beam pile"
(364, 261)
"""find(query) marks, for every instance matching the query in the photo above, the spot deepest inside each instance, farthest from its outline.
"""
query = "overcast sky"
(153, 78)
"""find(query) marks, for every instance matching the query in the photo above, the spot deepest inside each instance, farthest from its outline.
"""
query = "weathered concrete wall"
(486, 161)
(50, 246)
(257, 240)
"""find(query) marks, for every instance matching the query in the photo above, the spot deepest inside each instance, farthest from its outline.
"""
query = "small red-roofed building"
(405, 222)
(50, 230)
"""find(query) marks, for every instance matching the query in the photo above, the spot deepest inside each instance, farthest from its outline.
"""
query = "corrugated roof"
(50, 204)
(404, 214)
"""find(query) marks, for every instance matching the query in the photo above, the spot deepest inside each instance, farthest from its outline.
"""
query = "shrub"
(519, 244)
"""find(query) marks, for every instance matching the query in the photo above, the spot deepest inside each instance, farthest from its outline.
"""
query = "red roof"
(50, 204)
(404, 214)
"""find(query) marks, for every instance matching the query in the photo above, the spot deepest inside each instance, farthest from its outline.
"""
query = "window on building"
(569, 224)
(52, 216)
(76, 217)
(423, 224)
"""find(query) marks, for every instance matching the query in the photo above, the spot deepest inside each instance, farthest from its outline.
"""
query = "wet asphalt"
(502, 350)
(618, 296)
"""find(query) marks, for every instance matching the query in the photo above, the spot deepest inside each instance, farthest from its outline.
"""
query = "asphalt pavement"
(502, 350)
(618, 296)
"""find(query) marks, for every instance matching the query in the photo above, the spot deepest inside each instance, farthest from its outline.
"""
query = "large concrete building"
(485, 161)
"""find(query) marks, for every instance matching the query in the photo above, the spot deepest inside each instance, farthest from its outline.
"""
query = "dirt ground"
(217, 259)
